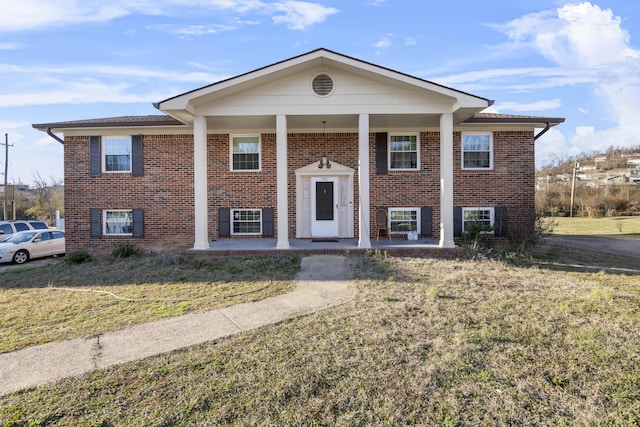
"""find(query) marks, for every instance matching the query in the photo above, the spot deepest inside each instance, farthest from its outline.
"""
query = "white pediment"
(336, 169)
(285, 88)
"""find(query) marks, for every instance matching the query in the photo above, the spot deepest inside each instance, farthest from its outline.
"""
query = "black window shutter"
(500, 221)
(426, 221)
(381, 153)
(224, 222)
(267, 222)
(138, 223)
(457, 222)
(95, 158)
(96, 223)
(136, 155)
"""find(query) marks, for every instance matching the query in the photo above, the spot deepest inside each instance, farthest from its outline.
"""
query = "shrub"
(78, 257)
(124, 250)
(475, 235)
(526, 240)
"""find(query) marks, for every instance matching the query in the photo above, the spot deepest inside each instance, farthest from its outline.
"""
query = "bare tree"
(48, 197)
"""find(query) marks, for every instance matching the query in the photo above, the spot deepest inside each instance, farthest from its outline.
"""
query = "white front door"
(324, 207)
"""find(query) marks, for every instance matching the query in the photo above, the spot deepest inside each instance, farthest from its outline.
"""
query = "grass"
(57, 302)
(625, 226)
(545, 340)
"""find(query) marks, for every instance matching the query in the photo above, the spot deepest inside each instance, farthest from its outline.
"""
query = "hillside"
(604, 184)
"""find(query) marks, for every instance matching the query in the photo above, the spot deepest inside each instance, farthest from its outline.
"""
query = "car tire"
(21, 257)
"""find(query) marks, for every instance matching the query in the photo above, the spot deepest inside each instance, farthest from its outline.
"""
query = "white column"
(200, 183)
(281, 182)
(364, 239)
(446, 181)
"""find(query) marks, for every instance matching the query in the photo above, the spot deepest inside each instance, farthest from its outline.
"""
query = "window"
(477, 219)
(21, 226)
(247, 221)
(477, 151)
(117, 154)
(118, 222)
(403, 151)
(403, 220)
(245, 153)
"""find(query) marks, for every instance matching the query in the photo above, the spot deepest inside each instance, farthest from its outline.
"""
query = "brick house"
(310, 147)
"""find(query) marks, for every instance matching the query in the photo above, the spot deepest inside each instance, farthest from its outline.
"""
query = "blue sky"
(76, 59)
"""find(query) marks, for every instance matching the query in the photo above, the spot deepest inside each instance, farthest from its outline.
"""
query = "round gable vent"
(322, 85)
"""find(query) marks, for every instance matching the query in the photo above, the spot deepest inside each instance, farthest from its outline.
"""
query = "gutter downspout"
(56, 137)
(543, 131)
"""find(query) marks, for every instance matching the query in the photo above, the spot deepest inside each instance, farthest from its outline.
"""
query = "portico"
(301, 96)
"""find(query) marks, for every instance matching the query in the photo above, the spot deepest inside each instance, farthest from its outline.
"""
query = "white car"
(25, 245)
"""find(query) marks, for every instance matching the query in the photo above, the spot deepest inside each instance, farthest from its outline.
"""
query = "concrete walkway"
(323, 281)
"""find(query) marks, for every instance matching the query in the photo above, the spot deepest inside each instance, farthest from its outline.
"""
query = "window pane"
(246, 161)
(476, 151)
(403, 220)
(476, 160)
(479, 219)
(117, 152)
(119, 222)
(247, 221)
(403, 152)
(117, 163)
(246, 153)
(476, 142)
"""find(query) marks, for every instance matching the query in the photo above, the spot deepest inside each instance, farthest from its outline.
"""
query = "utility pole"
(576, 165)
(6, 172)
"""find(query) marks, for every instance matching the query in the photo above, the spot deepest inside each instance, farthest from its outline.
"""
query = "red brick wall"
(511, 183)
(165, 192)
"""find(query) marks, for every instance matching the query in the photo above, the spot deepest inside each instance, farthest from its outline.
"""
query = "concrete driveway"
(608, 245)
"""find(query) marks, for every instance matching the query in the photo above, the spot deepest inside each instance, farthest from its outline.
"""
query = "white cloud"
(543, 105)
(10, 46)
(33, 14)
(7, 125)
(384, 42)
(299, 15)
(575, 35)
(192, 30)
(518, 79)
(592, 42)
(38, 14)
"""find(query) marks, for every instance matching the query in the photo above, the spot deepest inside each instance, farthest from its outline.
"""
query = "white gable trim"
(187, 102)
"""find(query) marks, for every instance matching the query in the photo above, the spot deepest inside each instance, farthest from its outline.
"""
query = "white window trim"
(233, 211)
(104, 153)
(104, 222)
(418, 220)
(490, 150)
(492, 217)
(417, 135)
(231, 137)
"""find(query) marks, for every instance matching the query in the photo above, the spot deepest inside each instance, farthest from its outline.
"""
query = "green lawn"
(626, 226)
(551, 339)
(57, 302)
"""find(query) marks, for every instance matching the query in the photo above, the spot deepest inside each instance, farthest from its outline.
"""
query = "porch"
(428, 247)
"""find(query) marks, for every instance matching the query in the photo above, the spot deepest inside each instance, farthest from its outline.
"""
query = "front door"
(324, 220)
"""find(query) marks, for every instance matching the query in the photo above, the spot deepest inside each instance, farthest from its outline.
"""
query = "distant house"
(310, 147)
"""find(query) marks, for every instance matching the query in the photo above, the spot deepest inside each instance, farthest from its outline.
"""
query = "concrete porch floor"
(338, 246)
